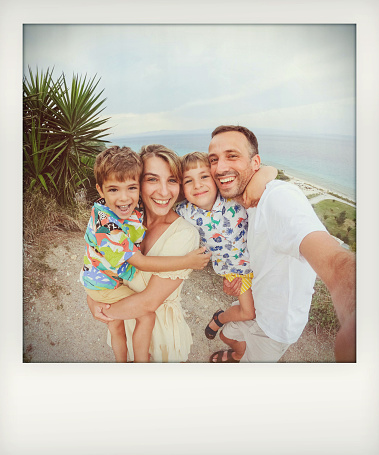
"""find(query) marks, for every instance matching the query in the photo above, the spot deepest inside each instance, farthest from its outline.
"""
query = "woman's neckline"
(162, 234)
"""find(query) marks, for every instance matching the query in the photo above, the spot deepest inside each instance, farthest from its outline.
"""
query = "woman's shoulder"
(180, 238)
(181, 225)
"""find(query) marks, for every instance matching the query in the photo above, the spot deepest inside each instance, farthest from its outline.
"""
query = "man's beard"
(237, 190)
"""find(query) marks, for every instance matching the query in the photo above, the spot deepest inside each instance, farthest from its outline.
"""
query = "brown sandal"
(219, 355)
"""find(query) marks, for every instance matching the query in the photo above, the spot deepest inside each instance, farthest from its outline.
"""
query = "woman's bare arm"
(145, 302)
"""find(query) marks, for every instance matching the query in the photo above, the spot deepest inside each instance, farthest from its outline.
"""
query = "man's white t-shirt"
(283, 280)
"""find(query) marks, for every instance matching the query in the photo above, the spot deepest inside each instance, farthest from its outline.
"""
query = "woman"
(167, 235)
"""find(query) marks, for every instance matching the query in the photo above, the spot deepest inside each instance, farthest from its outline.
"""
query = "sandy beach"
(317, 193)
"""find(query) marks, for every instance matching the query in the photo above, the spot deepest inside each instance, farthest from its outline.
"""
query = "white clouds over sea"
(298, 78)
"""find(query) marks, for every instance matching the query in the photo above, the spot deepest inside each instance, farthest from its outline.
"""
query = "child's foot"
(228, 356)
(214, 324)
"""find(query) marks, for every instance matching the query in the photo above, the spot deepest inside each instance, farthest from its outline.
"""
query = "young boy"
(112, 251)
(222, 224)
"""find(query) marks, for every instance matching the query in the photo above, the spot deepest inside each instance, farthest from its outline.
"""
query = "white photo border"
(191, 408)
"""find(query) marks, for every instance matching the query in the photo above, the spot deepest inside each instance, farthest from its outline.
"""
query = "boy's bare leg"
(142, 337)
(238, 348)
(246, 301)
(245, 311)
(118, 340)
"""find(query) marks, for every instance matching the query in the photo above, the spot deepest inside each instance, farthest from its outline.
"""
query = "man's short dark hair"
(250, 136)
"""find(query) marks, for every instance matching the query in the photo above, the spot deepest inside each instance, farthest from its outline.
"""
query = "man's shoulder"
(280, 184)
(277, 189)
(281, 198)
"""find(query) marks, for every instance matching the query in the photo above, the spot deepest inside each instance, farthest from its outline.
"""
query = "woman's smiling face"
(159, 187)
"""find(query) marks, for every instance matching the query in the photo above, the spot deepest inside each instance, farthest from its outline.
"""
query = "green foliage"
(62, 133)
(338, 218)
(341, 197)
(322, 314)
(312, 195)
(282, 176)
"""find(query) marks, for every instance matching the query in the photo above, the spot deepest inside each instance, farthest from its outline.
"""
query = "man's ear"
(256, 162)
(99, 190)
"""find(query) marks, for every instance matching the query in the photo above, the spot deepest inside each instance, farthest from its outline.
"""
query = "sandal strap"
(215, 318)
(216, 357)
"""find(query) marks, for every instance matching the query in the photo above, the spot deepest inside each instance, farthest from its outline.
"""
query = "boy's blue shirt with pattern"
(224, 231)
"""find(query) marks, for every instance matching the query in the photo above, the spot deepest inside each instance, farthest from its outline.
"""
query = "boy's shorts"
(110, 295)
(246, 280)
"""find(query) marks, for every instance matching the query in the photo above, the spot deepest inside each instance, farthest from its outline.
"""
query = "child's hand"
(198, 259)
(257, 185)
(232, 287)
(97, 309)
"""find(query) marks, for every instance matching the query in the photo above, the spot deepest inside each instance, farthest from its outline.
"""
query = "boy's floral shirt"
(110, 242)
(223, 230)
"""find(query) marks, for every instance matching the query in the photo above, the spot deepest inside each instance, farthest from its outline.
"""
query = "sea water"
(328, 161)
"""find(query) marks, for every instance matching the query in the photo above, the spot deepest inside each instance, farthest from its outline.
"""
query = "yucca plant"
(62, 130)
(38, 157)
(37, 103)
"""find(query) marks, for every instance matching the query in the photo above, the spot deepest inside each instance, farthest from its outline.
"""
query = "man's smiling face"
(231, 163)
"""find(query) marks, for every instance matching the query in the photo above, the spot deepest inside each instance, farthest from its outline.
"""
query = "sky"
(289, 78)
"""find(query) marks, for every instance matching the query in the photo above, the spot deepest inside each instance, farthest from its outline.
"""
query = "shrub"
(282, 176)
(340, 219)
(62, 131)
(322, 313)
(43, 214)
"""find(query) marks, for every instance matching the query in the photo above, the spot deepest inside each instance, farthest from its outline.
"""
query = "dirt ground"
(58, 326)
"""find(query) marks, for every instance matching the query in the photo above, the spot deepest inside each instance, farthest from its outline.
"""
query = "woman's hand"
(97, 310)
(233, 288)
(198, 259)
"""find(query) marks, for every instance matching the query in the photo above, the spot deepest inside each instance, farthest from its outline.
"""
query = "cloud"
(329, 117)
(190, 77)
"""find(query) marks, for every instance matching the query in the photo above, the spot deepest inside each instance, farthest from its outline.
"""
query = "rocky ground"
(58, 326)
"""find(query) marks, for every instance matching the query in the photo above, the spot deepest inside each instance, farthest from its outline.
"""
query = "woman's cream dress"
(171, 338)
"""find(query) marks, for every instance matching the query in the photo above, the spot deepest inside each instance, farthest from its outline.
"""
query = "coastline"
(312, 190)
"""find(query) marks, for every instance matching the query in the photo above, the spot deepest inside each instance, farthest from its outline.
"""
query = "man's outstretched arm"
(336, 268)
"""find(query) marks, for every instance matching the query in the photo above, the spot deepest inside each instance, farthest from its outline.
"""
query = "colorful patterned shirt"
(223, 230)
(110, 242)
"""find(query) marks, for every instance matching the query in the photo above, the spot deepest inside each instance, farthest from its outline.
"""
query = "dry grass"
(43, 214)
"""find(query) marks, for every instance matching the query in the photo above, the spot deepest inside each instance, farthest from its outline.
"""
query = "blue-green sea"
(328, 161)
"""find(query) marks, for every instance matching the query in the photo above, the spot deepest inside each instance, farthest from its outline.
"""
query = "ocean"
(328, 161)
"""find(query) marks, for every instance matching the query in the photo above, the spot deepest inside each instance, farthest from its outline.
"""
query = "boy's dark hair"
(119, 163)
(193, 159)
(250, 136)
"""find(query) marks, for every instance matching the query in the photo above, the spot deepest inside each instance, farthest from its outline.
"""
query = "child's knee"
(223, 337)
(116, 327)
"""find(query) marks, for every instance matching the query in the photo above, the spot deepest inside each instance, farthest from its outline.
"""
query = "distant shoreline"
(310, 189)
(338, 181)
